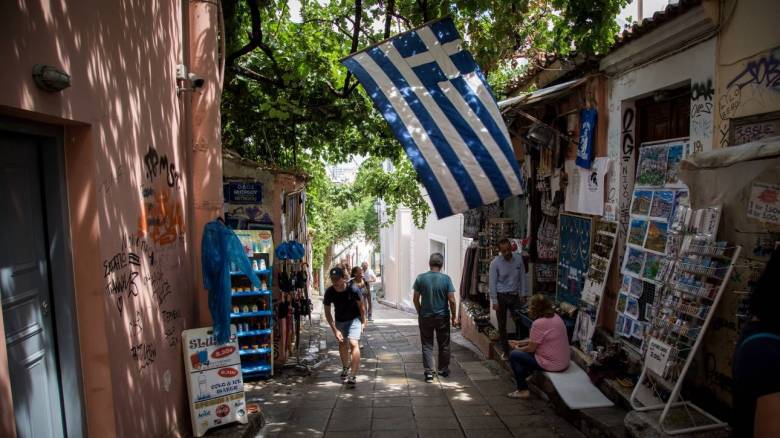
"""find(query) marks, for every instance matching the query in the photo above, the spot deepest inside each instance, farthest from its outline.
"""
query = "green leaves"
(285, 102)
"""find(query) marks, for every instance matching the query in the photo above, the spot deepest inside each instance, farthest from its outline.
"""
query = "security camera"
(181, 72)
(196, 80)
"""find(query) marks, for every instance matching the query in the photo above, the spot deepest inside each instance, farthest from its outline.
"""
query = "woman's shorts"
(350, 329)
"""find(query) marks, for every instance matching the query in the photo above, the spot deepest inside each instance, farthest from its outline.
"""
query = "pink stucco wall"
(123, 120)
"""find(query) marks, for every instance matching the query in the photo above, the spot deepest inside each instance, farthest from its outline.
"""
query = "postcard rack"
(689, 295)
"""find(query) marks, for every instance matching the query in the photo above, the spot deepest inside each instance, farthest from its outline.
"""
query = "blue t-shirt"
(434, 288)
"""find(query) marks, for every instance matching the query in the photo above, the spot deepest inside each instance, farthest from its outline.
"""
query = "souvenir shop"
(653, 288)
(553, 223)
(266, 209)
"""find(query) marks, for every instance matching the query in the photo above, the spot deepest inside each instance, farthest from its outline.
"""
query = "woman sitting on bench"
(546, 349)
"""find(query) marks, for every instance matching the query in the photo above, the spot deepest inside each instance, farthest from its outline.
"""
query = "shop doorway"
(35, 283)
(438, 244)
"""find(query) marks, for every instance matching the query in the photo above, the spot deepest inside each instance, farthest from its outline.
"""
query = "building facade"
(405, 250)
(106, 187)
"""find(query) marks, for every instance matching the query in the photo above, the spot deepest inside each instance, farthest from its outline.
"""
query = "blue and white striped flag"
(440, 107)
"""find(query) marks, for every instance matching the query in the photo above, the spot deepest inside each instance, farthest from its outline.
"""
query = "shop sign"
(244, 193)
(764, 202)
(657, 356)
(214, 380)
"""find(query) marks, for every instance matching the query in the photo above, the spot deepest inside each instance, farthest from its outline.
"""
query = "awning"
(539, 95)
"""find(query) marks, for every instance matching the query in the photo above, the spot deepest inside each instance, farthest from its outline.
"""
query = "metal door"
(25, 292)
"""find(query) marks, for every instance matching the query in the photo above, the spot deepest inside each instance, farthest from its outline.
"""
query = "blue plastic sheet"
(220, 246)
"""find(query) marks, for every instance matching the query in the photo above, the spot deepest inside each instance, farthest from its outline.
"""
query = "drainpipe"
(205, 160)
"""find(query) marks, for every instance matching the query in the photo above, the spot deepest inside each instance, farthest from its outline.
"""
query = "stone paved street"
(392, 400)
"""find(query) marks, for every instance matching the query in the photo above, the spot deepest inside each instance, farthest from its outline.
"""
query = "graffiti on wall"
(157, 164)
(138, 279)
(144, 354)
(626, 178)
(121, 272)
(755, 131)
(753, 89)
(763, 72)
(162, 218)
(112, 181)
(702, 90)
(702, 104)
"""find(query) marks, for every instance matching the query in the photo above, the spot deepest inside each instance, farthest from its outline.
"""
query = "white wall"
(406, 249)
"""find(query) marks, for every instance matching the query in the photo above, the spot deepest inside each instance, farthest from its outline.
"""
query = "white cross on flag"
(442, 110)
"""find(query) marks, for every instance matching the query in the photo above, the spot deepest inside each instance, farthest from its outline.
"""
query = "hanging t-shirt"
(587, 131)
(585, 189)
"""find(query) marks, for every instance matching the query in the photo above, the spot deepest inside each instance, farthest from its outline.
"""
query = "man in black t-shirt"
(349, 323)
(757, 361)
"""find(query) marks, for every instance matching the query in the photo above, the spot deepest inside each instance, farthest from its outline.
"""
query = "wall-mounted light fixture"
(50, 78)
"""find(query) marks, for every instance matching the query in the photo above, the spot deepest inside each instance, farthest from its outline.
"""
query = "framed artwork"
(632, 307)
(625, 285)
(652, 264)
(621, 303)
(634, 261)
(637, 231)
(663, 204)
(657, 232)
(638, 330)
(628, 326)
(651, 170)
(640, 204)
(619, 323)
(637, 287)
(674, 155)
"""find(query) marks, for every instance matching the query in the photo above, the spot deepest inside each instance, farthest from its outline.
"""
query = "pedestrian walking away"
(434, 299)
(348, 323)
(370, 279)
(507, 289)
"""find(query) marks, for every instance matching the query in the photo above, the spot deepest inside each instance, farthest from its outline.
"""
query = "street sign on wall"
(243, 193)
(214, 381)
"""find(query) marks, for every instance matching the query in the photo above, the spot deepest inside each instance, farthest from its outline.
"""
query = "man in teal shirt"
(434, 312)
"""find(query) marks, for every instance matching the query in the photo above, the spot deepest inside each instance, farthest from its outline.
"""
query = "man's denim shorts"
(350, 329)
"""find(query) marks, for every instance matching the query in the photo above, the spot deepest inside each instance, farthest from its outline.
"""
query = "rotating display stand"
(692, 286)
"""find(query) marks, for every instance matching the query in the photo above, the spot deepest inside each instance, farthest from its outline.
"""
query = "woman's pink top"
(552, 353)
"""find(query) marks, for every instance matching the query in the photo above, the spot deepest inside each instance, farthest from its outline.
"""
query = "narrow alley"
(392, 400)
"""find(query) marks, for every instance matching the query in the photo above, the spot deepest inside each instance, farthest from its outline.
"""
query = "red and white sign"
(215, 384)
(764, 202)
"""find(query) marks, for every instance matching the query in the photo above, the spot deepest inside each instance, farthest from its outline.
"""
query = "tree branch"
(407, 22)
(423, 4)
(333, 22)
(355, 38)
(364, 31)
(251, 74)
(256, 41)
(389, 17)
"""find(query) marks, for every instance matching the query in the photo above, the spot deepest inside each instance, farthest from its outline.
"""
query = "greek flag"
(440, 107)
